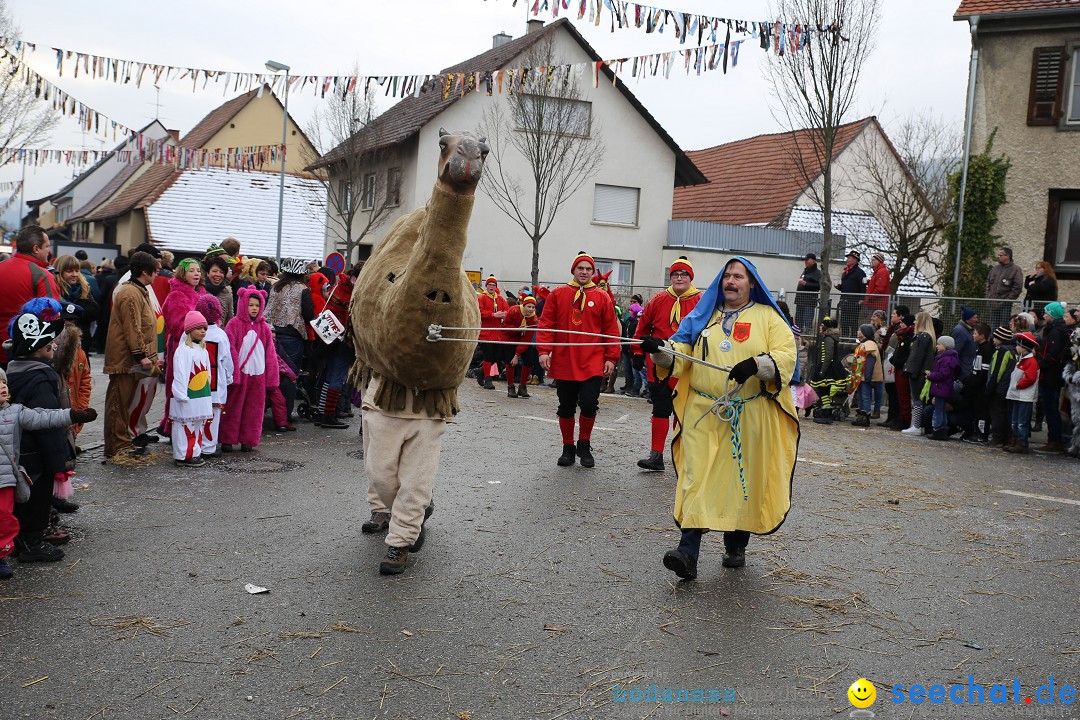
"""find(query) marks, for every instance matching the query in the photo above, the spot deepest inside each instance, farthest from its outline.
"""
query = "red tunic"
(598, 316)
(488, 307)
(878, 289)
(514, 332)
(656, 322)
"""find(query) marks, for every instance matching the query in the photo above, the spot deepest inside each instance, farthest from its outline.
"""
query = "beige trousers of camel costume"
(401, 456)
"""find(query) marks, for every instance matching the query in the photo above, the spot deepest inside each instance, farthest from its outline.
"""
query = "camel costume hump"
(413, 279)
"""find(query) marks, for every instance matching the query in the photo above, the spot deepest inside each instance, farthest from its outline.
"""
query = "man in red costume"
(493, 307)
(519, 326)
(580, 369)
(660, 319)
(25, 276)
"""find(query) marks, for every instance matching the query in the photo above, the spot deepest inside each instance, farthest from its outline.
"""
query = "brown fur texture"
(414, 279)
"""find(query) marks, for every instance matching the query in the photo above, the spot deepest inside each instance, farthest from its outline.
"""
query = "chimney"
(500, 40)
(534, 26)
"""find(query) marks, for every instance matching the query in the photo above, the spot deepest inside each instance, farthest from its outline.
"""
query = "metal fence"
(852, 310)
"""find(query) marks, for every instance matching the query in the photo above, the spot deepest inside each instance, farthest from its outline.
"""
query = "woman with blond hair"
(1041, 287)
(75, 289)
(920, 361)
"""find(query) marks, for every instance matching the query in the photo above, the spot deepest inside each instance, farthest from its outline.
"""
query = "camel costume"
(414, 279)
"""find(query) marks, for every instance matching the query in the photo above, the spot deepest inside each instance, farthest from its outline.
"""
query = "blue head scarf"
(691, 326)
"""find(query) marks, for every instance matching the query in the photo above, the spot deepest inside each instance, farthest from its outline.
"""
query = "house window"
(1047, 75)
(624, 271)
(393, 187)
(343, 195)
(1063, 233)
(547, 114)
(616, 205)
(367, 200)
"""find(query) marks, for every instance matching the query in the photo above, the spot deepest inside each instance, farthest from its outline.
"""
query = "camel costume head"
(413, 279)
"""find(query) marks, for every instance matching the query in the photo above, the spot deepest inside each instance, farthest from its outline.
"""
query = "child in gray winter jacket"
(14, 419)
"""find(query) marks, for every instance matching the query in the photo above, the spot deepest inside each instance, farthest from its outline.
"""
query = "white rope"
(435, 335)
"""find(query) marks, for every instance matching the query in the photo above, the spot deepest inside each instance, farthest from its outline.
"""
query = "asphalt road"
(540, 588)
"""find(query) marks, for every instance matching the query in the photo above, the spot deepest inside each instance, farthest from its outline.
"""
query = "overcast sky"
(920, 64)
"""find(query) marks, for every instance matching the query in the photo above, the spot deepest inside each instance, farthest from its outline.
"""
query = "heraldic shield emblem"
(741, 332)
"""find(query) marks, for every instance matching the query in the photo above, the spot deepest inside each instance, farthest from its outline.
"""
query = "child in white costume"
(221, 369)
(191, 405)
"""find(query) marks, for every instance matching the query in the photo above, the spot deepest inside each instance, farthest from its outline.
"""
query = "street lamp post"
(275, 66)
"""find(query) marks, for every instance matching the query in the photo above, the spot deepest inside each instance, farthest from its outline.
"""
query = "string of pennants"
(140, 148)
(153, 150)
(773, 36)
(15, 187)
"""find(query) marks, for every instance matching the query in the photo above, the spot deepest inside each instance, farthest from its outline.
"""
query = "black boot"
(584, 453)
(330, 422)
(523, 390)
(511, 390)
(655, 461)
(487, 384)
(682, 564)
(32, 548)
(567, 457)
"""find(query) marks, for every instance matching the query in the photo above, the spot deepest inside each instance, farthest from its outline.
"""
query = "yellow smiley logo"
(862, 693)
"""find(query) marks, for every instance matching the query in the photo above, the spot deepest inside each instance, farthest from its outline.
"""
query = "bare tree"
(356, 171)
(908, 189)
(814, 88)
(549, 125)
(24, 120)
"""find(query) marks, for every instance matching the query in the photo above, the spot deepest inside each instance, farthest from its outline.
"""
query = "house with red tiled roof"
(118, 213)
(1024, 87)
(774, 182)
(620, 214)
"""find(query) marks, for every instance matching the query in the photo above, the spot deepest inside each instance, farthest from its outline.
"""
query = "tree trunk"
(826, 246)
(535, 260)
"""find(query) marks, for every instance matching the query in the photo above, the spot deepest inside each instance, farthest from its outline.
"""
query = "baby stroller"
(301, 380)
(835, 390)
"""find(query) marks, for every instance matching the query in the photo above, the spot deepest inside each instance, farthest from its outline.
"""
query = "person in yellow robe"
(734, 472)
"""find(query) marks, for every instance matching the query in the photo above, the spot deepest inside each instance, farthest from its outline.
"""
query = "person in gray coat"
(1005, 281)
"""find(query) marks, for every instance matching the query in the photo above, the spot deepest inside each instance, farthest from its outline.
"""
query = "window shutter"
(1047, 75)
(615, 204)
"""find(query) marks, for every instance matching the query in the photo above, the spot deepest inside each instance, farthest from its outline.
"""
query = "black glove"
(744, 370)
(638, 362)
(83, 416)
(651, 344)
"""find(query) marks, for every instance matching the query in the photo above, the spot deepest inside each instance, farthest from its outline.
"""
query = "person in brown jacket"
(130, 360)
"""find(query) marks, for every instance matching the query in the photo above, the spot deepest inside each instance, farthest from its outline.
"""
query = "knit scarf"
(676, 307)
(580, 294)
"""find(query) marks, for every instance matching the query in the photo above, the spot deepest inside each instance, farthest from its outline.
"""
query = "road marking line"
(556, 422)
(1040, 497)
(818, 462)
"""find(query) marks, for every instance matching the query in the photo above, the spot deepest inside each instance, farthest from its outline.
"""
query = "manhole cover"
(261, 465)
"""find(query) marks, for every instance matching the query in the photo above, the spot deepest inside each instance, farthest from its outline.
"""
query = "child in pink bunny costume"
(255, 370)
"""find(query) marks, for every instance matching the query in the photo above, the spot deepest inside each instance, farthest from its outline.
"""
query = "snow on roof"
(205, 206)
(863, 233)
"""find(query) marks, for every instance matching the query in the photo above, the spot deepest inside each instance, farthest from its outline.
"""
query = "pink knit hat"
(210, 307)
(194, 319)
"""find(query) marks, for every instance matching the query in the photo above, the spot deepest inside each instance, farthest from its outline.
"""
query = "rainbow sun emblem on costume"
(199, 382)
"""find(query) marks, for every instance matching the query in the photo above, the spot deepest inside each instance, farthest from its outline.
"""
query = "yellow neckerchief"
(525, 318)
(494, 299)
(676, 307)
(581, 291)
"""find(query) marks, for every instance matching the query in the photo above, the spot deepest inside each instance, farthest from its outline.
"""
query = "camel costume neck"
(422, 252)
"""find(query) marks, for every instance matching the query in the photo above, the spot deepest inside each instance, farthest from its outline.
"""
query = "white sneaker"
(912, 431)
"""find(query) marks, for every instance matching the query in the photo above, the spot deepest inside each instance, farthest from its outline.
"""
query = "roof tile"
(996, 7)
(752, 181)
(146, 188)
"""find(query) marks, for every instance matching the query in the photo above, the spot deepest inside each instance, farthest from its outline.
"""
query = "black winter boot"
(523, 390)
(511, 390)
(330, 422)
(655, 461)
(567, 457)
(584, 453)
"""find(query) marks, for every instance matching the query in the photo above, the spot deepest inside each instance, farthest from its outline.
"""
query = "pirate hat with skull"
(37, 324)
